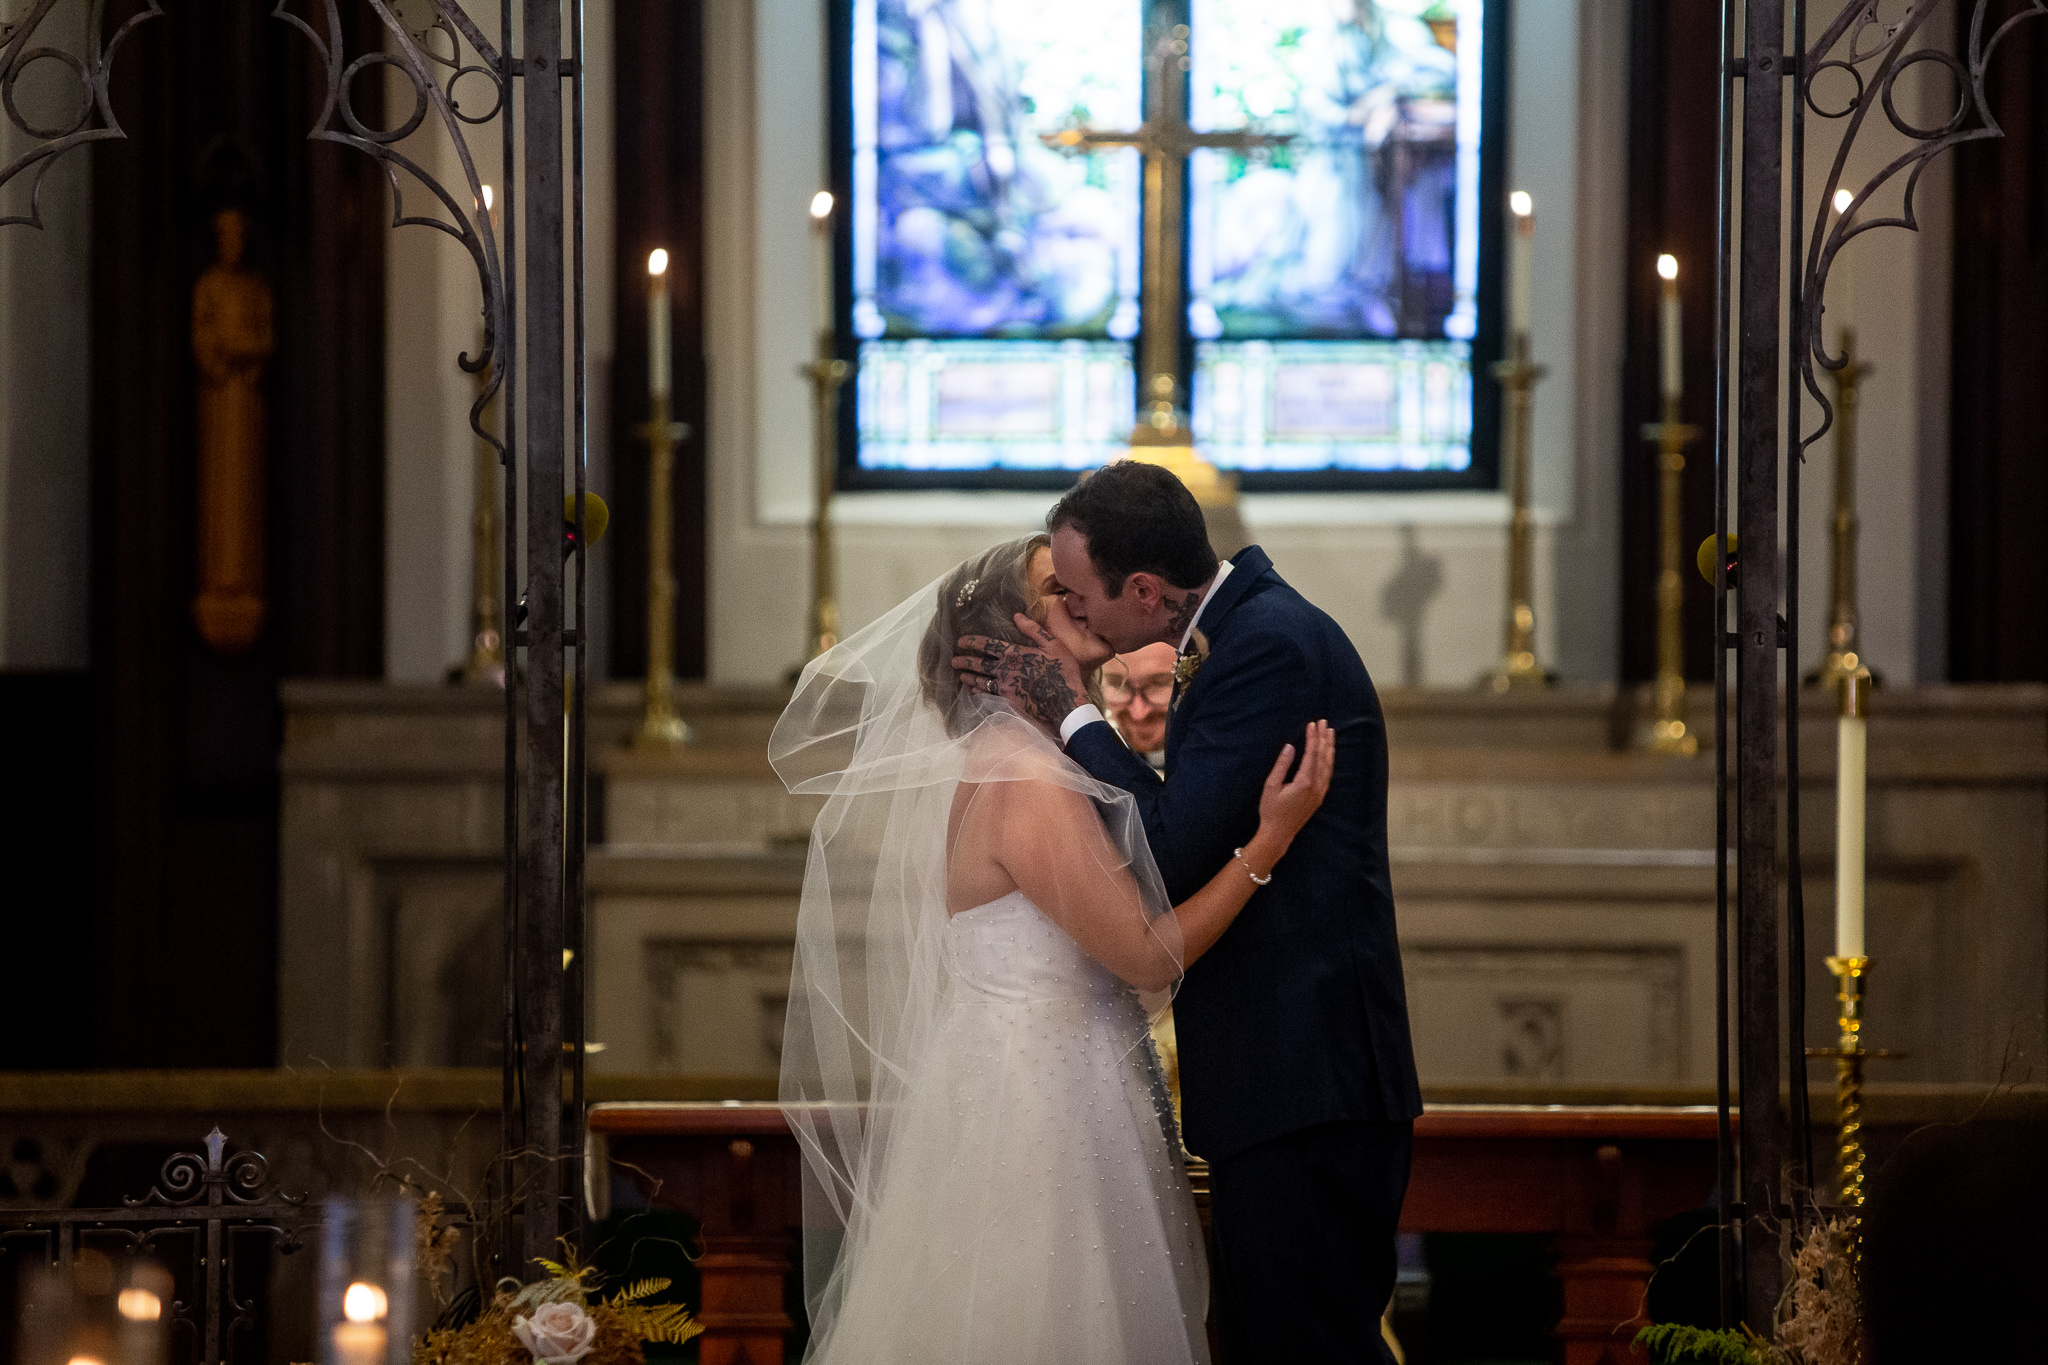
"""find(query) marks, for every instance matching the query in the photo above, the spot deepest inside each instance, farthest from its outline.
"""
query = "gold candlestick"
(1849, 973)
(1518, 666)
(1844, 657)
(486, 661)
(660, 726)
(1668, 733)
(826, 375)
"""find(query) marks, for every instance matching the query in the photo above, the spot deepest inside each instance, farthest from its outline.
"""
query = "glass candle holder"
(366, 1282)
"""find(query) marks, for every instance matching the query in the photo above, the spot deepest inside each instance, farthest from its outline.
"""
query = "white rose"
(557, 1333)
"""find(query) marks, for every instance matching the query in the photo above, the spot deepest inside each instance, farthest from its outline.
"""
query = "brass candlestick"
(1518, 666)
(826, 374)
(1668, 733)
(1844, 656)
(1849, 973)
(661, 727)
(486, 661)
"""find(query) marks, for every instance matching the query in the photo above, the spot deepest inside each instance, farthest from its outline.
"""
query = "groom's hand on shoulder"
(1042, 679)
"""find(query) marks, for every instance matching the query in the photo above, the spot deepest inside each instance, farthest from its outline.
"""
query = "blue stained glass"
(1353, 405)
(1365, 224)
(965, 224)
(975, 405)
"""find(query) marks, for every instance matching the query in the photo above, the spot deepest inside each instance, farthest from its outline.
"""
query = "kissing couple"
(999, 893)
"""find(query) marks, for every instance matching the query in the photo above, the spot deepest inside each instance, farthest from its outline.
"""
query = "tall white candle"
(1850, 773)
(1519, 282)
(821, 262)
(658, 363)
(1673, 349)
(1841, 291)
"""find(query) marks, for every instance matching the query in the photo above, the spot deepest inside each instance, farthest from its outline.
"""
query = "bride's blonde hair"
(980, 597)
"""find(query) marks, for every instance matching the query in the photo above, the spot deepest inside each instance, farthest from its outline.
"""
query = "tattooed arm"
(1043, 679)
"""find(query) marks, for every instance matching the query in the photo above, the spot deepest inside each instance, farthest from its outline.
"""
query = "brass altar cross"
(1166, 141)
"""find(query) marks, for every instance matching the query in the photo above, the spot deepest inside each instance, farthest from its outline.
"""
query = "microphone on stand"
(597, 518)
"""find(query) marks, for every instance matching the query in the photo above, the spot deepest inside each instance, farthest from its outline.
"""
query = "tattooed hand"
(1041, 679)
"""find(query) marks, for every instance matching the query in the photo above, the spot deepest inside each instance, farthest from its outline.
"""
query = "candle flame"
(1843, 198)
(1521, 204)
(487, 199)
(86, 1360)
(139, 1305)
(821, 205)
(657, 262)
(364, 1303)
(1667, 266)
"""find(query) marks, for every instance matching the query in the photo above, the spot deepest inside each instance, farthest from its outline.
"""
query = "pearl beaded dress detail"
(1034, 1207)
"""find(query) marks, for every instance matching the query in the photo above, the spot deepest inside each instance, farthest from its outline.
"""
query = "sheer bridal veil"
(879, 728)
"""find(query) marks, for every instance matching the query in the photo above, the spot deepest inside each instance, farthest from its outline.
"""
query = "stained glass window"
(1332, 295)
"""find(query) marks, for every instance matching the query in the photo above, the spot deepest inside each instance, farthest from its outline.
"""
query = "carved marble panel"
(717, 1007)
(1526, 1014)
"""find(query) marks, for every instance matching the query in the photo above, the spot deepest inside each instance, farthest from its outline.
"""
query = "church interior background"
(257, 746)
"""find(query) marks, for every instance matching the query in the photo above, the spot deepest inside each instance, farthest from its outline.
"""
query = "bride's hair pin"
(966, 593)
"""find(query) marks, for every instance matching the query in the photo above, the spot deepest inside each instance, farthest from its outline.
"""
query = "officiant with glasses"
(1137, 691)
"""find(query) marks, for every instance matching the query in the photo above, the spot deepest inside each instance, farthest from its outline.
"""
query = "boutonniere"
(1188, 664)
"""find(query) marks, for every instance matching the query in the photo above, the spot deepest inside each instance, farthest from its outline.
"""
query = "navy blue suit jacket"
(1298, 1015)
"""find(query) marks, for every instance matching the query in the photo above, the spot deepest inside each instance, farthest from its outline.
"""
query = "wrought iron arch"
(1871, 45)
(448, 60)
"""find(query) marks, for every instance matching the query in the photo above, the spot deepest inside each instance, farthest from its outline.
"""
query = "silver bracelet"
(1248, 869)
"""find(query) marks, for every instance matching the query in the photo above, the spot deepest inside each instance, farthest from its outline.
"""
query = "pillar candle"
(1850, 739)
(658, 365)
(1841, 290)
(360, 1343)
(821, 262)
(1519, 282)
(1673, 350)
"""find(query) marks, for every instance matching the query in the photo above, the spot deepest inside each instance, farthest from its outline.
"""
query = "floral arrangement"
(561, 1320)
(1820, 1316)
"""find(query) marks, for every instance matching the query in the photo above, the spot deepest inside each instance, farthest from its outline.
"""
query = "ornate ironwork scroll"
(1855, 66)
(418, 56)
(460, 79)
(1834, 86)
(91, 120)
(203, 1209)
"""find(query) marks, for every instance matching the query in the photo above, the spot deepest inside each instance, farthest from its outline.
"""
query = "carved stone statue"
(231, 341)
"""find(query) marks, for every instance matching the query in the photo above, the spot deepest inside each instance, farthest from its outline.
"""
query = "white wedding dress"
(1033, 1207)
(990, 1174)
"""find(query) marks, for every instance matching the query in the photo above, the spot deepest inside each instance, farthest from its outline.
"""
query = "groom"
(1297, 1078)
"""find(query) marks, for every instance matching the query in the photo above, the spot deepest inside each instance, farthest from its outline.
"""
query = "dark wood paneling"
(217, 99)
(1673, 108)
(659, 164)
(1998, 491)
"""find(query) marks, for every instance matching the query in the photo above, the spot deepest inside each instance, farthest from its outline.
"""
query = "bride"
(992, 1172)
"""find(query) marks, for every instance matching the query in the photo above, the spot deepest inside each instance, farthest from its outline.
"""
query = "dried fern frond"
(667, 1322)
(639, 1289)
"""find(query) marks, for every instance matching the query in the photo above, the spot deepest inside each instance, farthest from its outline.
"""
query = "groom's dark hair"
(1138, 518)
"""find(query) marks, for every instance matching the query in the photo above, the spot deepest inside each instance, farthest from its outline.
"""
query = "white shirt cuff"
(1087, 713)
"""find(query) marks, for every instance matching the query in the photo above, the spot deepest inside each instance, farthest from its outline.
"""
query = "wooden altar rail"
(1596, 1180)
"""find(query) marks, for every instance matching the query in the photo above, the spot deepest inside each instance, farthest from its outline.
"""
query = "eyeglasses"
(1117, 689)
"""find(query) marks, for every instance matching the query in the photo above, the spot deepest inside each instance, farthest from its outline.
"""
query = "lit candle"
(1673, 349)
(821, 261)
(1850, 777)
(362, 1339)
(1519, 285)
(657, 324)
(1843, 273)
